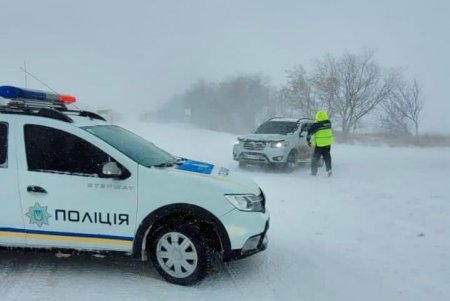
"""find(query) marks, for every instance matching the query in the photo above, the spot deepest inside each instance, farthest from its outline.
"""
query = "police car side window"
(55, 151)
(3, 144)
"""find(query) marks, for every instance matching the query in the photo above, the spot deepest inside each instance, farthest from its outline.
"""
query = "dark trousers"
(318, 152)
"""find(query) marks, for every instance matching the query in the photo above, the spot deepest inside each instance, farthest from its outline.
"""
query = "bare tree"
(391, 119)
(412, 97)
(352, 86)
(403, 108)
(297, 94)
(325, 83)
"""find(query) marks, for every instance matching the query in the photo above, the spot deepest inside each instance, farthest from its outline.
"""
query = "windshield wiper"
(171, 163)
(166, 164)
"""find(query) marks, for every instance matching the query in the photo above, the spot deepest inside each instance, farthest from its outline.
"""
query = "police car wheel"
(181, 254)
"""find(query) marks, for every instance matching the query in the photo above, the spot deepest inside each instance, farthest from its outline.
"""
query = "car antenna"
(26, 72)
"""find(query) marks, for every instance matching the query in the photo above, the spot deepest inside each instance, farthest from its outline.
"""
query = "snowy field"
(379, 229)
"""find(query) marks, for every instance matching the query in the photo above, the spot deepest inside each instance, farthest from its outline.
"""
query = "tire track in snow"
(260, 269)
(32, 281)
(8, 272)
(132, 276)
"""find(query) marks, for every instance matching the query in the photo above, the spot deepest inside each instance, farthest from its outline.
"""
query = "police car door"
(11, 221)
(65, 203)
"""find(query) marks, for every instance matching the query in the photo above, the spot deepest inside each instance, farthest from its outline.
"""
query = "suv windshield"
(277, 127)
(135, 147)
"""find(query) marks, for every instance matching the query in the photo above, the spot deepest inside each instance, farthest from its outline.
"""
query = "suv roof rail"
(298, 119)
(305, 118)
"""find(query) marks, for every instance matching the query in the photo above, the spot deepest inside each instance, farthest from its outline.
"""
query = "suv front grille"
(254, 145)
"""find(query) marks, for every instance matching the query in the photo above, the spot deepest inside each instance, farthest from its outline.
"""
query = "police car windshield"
(133, 146)
(277, 127)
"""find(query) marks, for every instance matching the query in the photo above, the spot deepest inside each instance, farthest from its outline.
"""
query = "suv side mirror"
(111, 170)
(304, 128)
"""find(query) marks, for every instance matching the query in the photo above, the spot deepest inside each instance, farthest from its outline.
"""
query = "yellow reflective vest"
(321, 130)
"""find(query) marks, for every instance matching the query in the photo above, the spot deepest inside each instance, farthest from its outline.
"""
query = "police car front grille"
(254, 145)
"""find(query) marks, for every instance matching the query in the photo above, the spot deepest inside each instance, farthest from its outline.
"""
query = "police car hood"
(203, 172)
(263, 137)
(192, 182)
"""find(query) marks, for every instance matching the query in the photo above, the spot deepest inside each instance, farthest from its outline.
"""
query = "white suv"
(70, 180)
(278, 142)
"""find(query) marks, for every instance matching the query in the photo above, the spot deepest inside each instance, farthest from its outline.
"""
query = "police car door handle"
(36, 189)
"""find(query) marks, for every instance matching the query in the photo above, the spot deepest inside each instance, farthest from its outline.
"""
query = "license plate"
(252, 156)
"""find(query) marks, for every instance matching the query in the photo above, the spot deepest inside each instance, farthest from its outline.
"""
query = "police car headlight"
(246, 202)
(279, 144)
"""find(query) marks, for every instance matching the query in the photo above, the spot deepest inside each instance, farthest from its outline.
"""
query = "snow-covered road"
(378, 230)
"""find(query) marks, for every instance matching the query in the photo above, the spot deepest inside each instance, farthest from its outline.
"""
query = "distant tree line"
(235, 104)
(350, 87)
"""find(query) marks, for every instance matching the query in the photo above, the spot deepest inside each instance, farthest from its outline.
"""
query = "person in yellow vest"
(323, 138)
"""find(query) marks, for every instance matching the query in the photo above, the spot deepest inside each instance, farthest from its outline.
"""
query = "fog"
(135, 56)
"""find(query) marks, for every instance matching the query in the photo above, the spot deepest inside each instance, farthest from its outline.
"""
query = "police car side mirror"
(111, 170)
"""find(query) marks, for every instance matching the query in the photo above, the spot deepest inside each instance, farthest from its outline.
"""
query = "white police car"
(70, 180)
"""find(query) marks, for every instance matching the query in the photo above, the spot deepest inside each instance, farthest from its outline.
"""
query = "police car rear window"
(3, 143)
(55, 151)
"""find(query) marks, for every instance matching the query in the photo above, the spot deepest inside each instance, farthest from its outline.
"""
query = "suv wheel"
(242, 164)
(291, 162)
(181, 254)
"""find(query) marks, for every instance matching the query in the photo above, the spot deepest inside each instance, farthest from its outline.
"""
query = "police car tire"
(197, 240)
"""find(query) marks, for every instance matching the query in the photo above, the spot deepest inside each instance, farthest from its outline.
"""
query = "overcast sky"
(139, 53)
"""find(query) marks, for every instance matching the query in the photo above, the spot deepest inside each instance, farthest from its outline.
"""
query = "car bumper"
(247, 232)
(253, 245)
(274, 156)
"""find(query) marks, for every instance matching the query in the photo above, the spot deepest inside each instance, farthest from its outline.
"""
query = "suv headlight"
(279, 144)
(246, 202)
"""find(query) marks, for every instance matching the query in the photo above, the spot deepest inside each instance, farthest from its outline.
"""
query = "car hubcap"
(176, 255)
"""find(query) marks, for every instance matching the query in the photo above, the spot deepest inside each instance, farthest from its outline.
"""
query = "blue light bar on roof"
(10, 92)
